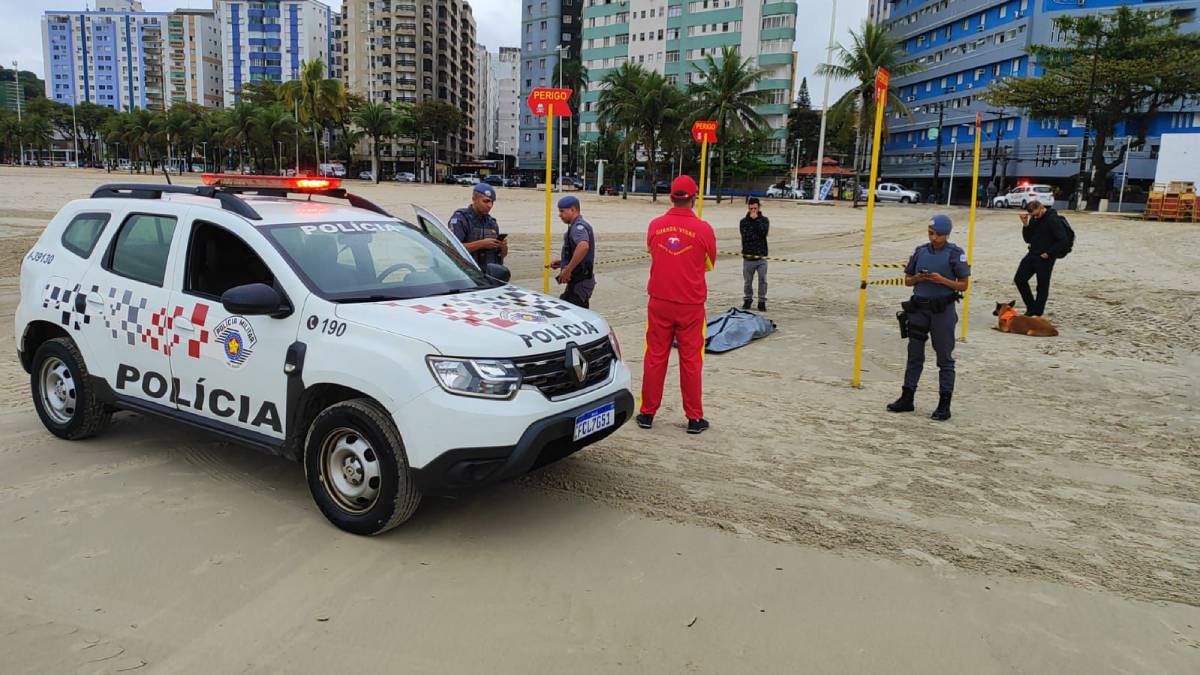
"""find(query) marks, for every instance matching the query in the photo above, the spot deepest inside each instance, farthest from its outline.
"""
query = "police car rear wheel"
(357, 469)
(62, 392)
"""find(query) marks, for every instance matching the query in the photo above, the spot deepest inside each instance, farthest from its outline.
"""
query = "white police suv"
(372, 349)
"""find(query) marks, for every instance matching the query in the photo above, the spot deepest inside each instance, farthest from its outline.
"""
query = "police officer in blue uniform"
(938, 272)
(576, 265)
(478, 230)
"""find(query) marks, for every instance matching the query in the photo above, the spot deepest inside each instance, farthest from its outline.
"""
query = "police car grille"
(548, 372)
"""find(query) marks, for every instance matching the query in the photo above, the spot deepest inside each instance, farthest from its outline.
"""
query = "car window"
(83, 232)
(219, 260)
(142, 246)
(374, 261)
(1043, 188)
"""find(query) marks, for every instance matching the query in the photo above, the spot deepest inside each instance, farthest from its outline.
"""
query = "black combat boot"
(762, 305)
(943, 410)
(746, 303)
(904, 403)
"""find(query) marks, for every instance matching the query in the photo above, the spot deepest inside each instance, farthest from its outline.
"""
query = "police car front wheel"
(62, 391)
(357, 469)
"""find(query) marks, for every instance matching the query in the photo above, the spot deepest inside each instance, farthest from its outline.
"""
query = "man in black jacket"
(754, 229)
(1046, 233)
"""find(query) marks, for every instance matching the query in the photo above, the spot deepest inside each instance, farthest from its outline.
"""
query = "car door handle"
(184, 324)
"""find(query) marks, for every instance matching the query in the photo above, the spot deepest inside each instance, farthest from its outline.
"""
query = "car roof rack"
(227, 196)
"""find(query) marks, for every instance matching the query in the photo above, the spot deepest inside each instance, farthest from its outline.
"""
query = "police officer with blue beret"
(938, 272)
(478, 230)
(576, 265)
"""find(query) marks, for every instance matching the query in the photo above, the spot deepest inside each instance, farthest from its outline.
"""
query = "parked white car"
(406, 177)
(894, 192)
(1023, 194)
(371, 349)
(466, 179)
(784, 192)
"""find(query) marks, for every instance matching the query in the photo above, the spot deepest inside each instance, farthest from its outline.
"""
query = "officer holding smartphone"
(575, 264)
(938, 272)
(478, 230)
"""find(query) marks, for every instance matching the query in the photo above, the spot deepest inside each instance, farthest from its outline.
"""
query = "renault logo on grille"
(577, 365)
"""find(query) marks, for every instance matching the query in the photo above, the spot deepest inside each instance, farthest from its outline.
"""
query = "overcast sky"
(498, 20)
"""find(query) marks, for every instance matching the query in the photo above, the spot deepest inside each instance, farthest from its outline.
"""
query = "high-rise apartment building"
(485, 102)
(673, 37)
(270, 39)
(194, 72)
(112, 55)
(965, 46)
(550, 30)
(507, 68)
(409, 51)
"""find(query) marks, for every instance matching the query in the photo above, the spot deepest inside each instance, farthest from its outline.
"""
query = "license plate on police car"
(595, 420)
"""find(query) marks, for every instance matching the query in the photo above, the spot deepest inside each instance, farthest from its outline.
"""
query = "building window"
(1003, 11)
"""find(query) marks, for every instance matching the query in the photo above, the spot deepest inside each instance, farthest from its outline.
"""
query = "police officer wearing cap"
(578, 254)
(938, 272)
(478, 230)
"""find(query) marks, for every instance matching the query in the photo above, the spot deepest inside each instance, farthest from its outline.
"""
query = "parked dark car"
(610, 189)
(494, 179)
(662, 187)
(576, 183)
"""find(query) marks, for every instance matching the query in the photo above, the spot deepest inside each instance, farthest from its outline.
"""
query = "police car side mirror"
(497, 271)
(255, 300)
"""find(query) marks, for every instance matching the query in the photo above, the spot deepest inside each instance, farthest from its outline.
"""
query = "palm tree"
(10, 132)
(726, 93)
(871, 48)
(275, 123)
(574, 77)
(38, 132)
(661, 107)
(178, 125)
(241, 124)
(379, 123)
(315, 99)
(620, 106)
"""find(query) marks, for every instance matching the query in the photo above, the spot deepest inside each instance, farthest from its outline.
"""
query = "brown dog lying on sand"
(1013, 322)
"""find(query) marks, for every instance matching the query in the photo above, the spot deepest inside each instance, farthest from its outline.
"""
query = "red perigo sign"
(545, 100)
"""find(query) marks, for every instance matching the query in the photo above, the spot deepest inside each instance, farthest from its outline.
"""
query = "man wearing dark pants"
(754, 228)
(938, 271)
(1046, 233)
(575, 266)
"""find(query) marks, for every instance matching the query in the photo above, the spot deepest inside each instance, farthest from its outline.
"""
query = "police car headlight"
(616, 344)
(485, 378)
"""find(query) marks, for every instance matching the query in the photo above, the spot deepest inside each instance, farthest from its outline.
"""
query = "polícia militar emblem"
(237, 339)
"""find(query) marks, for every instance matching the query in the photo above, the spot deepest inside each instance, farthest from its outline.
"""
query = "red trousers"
(668, 322)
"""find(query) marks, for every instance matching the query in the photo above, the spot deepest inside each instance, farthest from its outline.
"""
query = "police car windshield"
(373, 261)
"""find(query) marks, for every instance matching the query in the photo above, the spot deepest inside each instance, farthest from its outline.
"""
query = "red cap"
(683, 186)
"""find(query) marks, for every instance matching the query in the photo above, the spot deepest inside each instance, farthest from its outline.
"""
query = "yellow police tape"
(890, 266)
(886, 282)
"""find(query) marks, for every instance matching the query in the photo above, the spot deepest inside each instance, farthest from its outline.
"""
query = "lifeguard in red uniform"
(682, 249)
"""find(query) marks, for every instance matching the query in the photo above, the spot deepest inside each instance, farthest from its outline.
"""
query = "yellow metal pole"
(549, 164)
(703, 167)
(971, 229)
(880, 104)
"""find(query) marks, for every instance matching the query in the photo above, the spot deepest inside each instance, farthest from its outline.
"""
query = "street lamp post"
(996, 150)
(17, 75)
(204, 151)
(824, 105)
(937, 154)
(1124, 174)
(953, 160)
(558, 50)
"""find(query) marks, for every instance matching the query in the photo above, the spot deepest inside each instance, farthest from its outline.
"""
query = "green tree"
(661, 107)
(575, 78)
(1122, 67)
(178, 127)
(241, 125)
(726, 93)
(804, 125)
(91, 118)
(871, 48)
(319, 101)
(37, 132)
(620, 105)
(378, 122)
(439, 119)
(10, 133)
(275, 128)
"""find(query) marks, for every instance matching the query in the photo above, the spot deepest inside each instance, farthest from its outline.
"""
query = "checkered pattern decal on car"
(131, 319)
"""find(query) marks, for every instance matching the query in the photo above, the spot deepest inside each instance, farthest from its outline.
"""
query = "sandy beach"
(1053, 525)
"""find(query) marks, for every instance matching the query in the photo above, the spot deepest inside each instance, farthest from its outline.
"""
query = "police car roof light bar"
(281, 186)
(229, 201)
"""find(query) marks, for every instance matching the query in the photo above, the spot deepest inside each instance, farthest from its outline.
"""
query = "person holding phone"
(1045, 231)
(938, 273)
(478, 230)
(575, 265)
